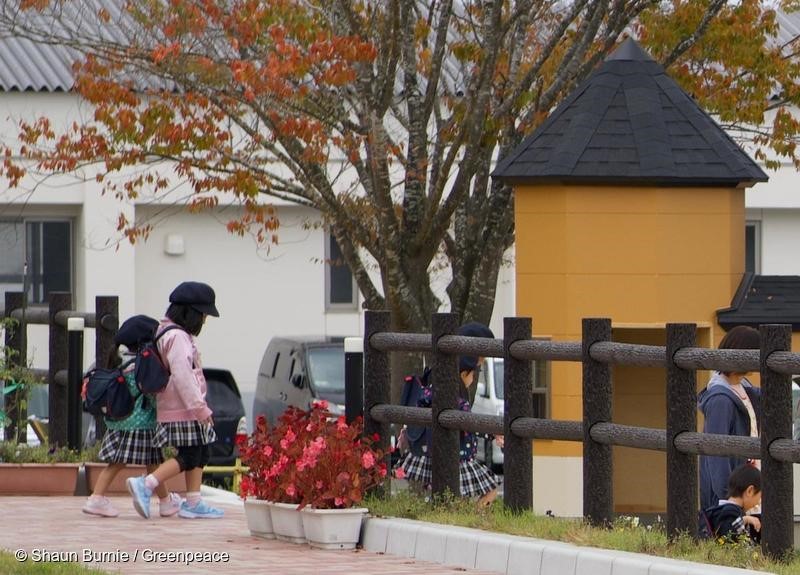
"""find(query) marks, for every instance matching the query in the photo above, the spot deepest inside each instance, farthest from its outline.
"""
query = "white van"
(489, 401)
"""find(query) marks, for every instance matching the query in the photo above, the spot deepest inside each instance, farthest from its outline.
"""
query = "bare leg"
(169, 468)
(106, 477)
(194, 479)
(487, 498)
(161, 490)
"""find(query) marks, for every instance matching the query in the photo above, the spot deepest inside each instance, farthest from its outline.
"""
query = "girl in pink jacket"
(183, 416)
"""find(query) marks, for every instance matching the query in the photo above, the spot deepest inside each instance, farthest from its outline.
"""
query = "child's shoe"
(100, 506)
(141, 495)
(171, 506)
(201, 510)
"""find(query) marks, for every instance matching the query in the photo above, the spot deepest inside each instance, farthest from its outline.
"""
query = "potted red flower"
(336, 468)
(314, 470)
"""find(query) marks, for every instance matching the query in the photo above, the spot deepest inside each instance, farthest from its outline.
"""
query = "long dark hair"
(186, 316)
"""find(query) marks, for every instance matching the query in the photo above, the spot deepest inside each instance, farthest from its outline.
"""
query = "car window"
(326, 368)
(499, 379)
(222, 400)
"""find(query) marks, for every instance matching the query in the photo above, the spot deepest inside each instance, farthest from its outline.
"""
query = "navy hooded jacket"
(724, 414)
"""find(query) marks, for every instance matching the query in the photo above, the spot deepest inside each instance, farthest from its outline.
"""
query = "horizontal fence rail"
(680, 440)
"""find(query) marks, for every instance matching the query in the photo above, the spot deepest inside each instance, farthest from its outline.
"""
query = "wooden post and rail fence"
(680, 440)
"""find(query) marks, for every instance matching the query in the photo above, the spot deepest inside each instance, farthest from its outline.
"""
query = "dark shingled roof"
(630, 123)
(763, 299)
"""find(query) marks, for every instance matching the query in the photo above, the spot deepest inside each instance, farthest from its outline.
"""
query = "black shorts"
(192, 456)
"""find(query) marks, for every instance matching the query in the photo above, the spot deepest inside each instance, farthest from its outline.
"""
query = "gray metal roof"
(630, 123)
(42, 63)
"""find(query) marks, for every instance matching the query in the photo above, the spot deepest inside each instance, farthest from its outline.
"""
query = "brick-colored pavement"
(53, 525)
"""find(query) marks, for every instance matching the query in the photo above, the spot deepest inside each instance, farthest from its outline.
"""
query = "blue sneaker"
(201, 510)
(141, 495)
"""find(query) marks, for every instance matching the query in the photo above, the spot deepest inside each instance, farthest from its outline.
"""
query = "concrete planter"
(259, 518)
(287, 522)
(38, 478)
(333, 528)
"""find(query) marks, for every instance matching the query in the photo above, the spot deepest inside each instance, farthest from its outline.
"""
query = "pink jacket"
(184, 398)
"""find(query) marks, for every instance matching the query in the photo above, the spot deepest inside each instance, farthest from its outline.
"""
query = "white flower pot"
(333, 528)
(287, 522)
(259, 518)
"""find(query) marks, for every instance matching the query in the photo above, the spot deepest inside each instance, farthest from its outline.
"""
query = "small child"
(728, 519)
(184, 418)
(130, 441)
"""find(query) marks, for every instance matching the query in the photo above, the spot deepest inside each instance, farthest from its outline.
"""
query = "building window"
(341, 291)
(752, 247)
(36, 257)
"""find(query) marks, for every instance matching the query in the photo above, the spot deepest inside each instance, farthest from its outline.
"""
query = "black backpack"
(704, 528)
(105, 392)
(419, 437)
(151, 372)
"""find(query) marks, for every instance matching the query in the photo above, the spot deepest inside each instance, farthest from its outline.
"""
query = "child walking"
(475, 479)
(130, 441)
(728, 518)
(184, 418)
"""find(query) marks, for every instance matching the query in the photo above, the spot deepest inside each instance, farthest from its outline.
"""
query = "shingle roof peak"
(630, 50)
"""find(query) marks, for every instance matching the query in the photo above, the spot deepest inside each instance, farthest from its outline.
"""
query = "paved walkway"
(55, 527)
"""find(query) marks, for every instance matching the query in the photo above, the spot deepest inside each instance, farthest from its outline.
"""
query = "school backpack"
(151, 372)
(704, 528)
(418, 437)
(105, 392)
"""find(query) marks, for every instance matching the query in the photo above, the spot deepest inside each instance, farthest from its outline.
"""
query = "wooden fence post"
(106, 313)
(16, 355)
(776, 423)
(518, 402)
(57, 403)
(444, 453)
(598, 493)
(681, 416)
(377, 388)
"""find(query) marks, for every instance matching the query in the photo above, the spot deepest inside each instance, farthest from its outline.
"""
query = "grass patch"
(624, 535)
(10, 566)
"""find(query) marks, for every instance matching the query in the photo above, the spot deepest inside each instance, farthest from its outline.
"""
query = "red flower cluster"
(310, 459)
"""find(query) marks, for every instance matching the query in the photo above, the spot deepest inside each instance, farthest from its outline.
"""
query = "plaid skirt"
(183, 434)
(474, 478)
(133, 447)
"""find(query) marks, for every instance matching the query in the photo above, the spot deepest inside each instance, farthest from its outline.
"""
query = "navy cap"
(472, 329)
(135, 330)
(197, 295)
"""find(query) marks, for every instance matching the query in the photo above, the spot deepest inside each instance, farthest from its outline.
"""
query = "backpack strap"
(165, 330)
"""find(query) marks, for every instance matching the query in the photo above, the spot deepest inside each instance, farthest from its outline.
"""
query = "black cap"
(472, 329)
(136, 329)
(197, 295)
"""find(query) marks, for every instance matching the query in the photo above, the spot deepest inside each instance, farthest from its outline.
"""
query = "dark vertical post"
(57, 404)
(445, 381)
(776, 423)
(681, 416)
(75, 327)
(598, 494)
(518, 402)
(353, 378)
(377, 387)
(106, 313)
(16, 353)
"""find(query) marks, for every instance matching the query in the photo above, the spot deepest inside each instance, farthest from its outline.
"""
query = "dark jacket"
(726, 519)
(724, 414)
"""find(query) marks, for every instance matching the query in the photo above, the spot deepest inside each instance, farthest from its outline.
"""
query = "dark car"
(297, 371)
(222, 396)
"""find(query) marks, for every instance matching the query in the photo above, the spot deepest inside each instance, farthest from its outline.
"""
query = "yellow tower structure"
(629, 203)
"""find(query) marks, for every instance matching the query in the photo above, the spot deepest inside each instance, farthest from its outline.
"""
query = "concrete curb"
(513, 555)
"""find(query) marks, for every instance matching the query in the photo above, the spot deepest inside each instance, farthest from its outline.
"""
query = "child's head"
(131, 334)
(190, 303)
(466, 367)
(740, 337)
(745, 483)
